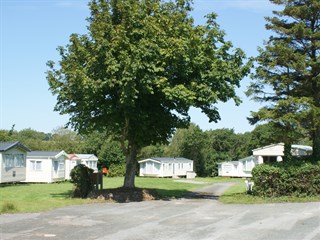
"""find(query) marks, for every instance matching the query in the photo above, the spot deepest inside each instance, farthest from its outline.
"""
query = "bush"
(306, 179)
(81, 177)
(286, 179)
(117, 170)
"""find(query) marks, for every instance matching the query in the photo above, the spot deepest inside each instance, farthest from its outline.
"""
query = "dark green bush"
(286, 179)
(269, 180)
(306, 179)
(81, 178)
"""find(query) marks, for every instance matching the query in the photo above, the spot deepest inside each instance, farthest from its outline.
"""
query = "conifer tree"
(287, 78)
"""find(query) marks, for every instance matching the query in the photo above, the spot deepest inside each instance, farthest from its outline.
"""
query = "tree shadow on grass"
(12, 184)
(66, 194)
(123, 195)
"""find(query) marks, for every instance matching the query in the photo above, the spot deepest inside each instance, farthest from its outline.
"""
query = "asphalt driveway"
(185, 219)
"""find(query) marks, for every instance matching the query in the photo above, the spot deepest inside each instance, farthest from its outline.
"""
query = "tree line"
(206, 148)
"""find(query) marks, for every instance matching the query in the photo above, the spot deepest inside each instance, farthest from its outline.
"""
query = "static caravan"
(301, 150)
(90, 160)
(228, 169)
(167, 167)
(240, 168)
(46, 167)
(246, 165)
(275, 152)
(13, 162)
(270, 153)
(72, 161)
(266, 154)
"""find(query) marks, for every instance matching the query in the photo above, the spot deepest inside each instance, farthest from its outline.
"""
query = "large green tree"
(288, 72)
(138, 70)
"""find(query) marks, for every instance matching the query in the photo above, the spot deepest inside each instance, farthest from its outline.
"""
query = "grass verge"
(22, 198)
(237, 195)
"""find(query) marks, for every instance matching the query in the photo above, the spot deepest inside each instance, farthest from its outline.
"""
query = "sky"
(31, 31)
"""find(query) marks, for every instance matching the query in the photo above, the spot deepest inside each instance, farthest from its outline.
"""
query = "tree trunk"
(130, 167)
(316, 145)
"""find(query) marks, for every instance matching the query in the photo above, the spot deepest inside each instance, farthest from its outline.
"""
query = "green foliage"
(111, 154)
(5, 136)
(263, 135)
(66, 139)
(60, 139)
(293, 178)
(270, 181)
(93, 142)
(81, 178)
(189, 143)
(158, 150)
(306, 179)
(222, 145)
(33, 139)
(287, 74)
(140, 68)
(117, 170)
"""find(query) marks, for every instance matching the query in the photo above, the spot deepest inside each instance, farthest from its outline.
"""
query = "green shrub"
(306, 179)
(269, 180)
(81, 178)
(117, 170)
(286, 179)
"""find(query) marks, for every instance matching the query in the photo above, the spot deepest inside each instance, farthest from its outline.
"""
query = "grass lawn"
(36, 197)
(42, 197)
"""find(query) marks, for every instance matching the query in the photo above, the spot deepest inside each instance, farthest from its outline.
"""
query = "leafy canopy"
(140, 68)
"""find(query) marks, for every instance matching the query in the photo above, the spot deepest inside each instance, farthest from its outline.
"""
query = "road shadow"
(202, 195)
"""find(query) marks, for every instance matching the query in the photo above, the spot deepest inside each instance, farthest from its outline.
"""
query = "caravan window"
(92, 164)
(19, 160)
(8, 160)
(14, 160)
(35, 165)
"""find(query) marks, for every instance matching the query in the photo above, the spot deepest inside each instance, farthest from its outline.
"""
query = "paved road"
(184, 219)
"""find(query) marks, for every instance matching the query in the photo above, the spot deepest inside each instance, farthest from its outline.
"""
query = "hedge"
(286, 179)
